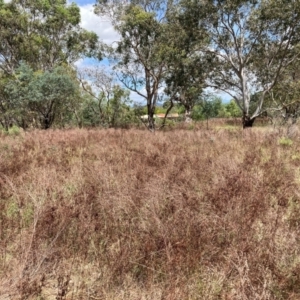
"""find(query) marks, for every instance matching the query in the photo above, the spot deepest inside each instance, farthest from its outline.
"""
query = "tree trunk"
(23, 124)
(47, 121)
(151, 120)
(78, 119)
(247, 121)
(188, 114)
(167, 112)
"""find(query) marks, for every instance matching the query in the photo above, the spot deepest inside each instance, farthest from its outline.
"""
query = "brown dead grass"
(185, 214)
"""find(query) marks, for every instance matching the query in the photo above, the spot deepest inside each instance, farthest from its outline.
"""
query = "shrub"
(286, 142)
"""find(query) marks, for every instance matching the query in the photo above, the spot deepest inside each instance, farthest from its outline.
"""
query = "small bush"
(286, 142)
(13, 131)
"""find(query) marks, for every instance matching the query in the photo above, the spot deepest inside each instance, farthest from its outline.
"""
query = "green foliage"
(40, 95)
(139, 110)
(12, 209)
(209, 108)
(214, 108)
(40, 39)
(187, 67)
(43, 34)
(105, 103)
(232, 109)
(13, 131)
(114, 111)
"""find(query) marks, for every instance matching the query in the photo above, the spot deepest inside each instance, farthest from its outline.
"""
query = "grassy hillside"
(185, 214)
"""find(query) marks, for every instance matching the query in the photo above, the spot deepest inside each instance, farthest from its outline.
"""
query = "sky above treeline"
(92, 22)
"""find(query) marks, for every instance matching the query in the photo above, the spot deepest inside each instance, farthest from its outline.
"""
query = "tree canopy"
(169, 51)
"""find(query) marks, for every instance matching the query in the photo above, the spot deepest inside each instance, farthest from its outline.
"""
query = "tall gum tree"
(140, 55)
(187, 66)
(253, 42)
(184, 84)
(141, 67)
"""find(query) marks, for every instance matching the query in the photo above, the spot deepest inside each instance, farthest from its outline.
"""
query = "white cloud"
(90, 21)
(100, 25)
(79, 63)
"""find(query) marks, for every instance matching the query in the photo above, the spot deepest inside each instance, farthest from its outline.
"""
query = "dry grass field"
(126, 214)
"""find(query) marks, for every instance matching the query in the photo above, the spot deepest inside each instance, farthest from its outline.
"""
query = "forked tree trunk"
(47, 121)
(247, 121)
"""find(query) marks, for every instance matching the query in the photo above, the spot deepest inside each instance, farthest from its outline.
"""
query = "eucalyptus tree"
(284, 99)
(252, 43)
(42, 33)
(185, 80)
(187, 64)
(141, 53)
(184, 85)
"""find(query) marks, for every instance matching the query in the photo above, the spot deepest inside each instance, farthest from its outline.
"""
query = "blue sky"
(83, 2)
